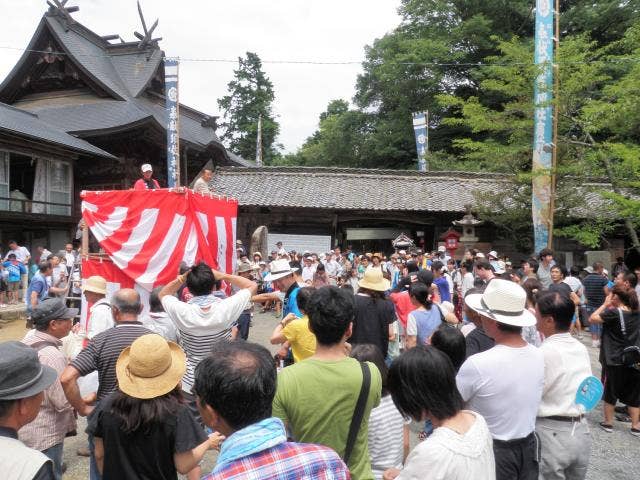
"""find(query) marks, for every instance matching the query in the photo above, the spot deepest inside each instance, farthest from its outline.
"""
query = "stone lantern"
(468, 224)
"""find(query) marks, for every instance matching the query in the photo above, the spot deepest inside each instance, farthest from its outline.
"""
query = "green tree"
(250, 95)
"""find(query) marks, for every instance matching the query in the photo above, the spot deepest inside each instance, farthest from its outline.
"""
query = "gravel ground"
(613, 455)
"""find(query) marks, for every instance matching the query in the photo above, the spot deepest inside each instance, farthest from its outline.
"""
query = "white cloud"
(327, 30)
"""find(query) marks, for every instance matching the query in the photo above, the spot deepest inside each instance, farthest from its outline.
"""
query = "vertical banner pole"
(420, 128)
(172, 107)
(556, 107)
(541, 204)
(259, 143)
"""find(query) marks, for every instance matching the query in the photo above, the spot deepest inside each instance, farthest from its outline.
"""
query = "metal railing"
(19, 205)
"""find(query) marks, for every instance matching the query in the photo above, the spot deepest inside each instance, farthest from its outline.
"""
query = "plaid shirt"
(285, 461)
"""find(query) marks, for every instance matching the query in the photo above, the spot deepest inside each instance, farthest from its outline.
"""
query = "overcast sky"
(317, 30)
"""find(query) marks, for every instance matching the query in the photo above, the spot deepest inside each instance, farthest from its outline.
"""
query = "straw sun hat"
(150, 367)
(374, 280)
(95, 284)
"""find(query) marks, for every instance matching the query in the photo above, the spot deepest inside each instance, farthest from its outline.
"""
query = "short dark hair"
(631, 278)
(450, 341)
(238, 380)
(562, 269)
(155, 305)
(598, 266)
(575, 271)
(544, 252)
(200, 280)
(44, 265)
(483, 264)
(11, 255)
(627, 296)
(467, 265)
(331, 310)
(412, 266)
(505, 328)
(304, 294)
(6, 408)
(533, 263)
(368, 352)
(12, 242)
(559, 307)
(295, 264)
(423, 379)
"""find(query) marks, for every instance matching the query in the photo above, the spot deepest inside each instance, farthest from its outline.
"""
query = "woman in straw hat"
(373, 322)
(144, 430)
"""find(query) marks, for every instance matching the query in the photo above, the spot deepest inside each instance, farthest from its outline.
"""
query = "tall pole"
(556, 107)
(543, 145)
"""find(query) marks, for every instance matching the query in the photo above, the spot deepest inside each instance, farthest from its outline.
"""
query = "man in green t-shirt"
(317, 396)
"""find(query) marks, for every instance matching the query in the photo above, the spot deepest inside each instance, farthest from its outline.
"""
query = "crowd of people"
(483, 355)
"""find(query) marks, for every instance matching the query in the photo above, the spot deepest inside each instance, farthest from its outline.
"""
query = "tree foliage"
(250, 95)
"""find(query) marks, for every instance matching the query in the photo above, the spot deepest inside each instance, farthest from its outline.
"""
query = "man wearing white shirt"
(308, 269)
(561, 425)
(100, 317)
(69, 257)
(504, 384)
(23, 256)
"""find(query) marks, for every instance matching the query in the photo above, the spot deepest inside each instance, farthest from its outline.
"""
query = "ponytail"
(422, 293)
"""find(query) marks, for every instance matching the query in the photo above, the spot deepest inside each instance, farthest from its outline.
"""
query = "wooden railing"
(18, 205)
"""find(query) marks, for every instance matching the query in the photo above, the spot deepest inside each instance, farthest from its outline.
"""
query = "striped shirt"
(386, 427)
(594, 284)
(200, 327)
(55, 417)
(103, 351)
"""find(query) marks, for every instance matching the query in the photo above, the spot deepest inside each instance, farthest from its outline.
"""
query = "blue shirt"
(15, 270)
(40, 286)
(443, 289)
(427, 321)
(291, 302)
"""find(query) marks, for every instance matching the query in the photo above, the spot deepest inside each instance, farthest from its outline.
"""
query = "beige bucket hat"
(150, 367)
(374, 280)
(95, 284)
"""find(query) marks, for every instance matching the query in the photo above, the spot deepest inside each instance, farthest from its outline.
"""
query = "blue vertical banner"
(421, 130)
(543, 125)
(172, 108)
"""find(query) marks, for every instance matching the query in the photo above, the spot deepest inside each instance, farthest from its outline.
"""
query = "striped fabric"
(103, 351)
(385, 437)
(201, 327)
(147, 233)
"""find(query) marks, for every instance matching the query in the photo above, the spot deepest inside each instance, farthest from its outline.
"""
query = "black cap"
(51, 309)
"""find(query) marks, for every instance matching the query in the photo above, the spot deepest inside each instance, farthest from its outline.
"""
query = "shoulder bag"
(631, 353)
(358, 412)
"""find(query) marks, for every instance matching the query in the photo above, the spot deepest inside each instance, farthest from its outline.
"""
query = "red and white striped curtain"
(148, 233)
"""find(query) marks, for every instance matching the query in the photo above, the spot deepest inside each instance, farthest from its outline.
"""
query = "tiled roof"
(121, 70)
(354, 189)
(28, 125)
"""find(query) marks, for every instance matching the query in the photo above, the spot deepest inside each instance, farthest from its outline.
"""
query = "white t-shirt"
(100, 318)
(574, 283)
(566, 365)
(21, 254)
(200, 327)
(447, 455)
(386, 426)
(160, 323)
(504, 385)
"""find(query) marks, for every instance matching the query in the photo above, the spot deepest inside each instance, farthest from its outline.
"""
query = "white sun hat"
(279, 269)
(503, 301)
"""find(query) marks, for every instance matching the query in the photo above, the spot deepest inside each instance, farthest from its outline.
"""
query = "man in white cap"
(281, 276)
(147, 182)
(100, 317)
(504, 384)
